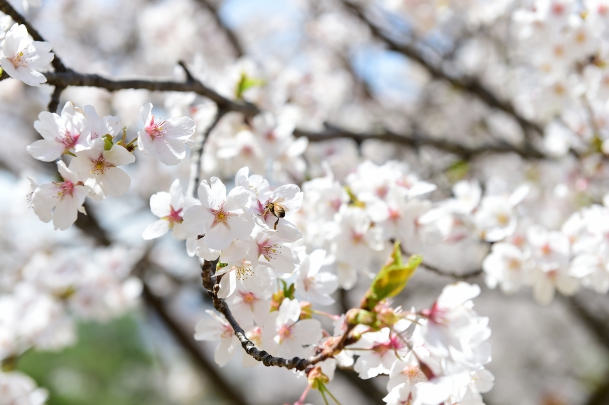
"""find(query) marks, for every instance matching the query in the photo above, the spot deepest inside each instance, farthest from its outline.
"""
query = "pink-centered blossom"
(219, 219)
(60, 201)
(169, 207)
(21, 57)
(97, 168)
(286, 336)
(313, 285)
(61, 133)
(218, 328)
(164, 139)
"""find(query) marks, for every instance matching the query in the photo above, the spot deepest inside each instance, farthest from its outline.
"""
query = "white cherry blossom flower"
(249, 307)
(378, 351)
(18, 388)
(60, 201)
(273, 251)
(97, 127)
(272, 207)
(272, 133)
(61, 133)
(551, 252)
(454, 331)
(22, 57)
(507, 267)
(242, 268)
(218, 328)
(255, 183)
(98, 169)
(313, 285)
(357, 240)
(495, 218)
(220, 218)
(285, 336)
(169, 207)
(164, 139)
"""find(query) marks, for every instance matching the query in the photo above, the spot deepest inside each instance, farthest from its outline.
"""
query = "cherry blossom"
(97, 168)
(18, 388)
(454, 331)
(380, 350)
(242, 268)
(164, 139)
(313, 285)
(61, 133)
(217, 328)
(169, 207)
(284, 335)
(60, 201)
(98, 127)
(220, 218)
(21, 57)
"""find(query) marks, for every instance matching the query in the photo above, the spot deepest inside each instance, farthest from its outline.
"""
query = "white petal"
(115, 182)
(156, 229)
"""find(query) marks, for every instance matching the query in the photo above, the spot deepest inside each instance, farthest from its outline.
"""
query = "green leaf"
(107, 142)
(457, 171)
(245, 83)
(392, 278)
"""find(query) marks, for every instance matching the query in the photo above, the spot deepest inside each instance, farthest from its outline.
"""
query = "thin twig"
(471, 85)
(230, 34)
(196, 154)
(417, 140)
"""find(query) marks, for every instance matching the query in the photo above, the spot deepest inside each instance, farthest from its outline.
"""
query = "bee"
(276, 209)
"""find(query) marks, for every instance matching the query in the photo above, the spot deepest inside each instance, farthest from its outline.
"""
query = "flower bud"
(392, 278)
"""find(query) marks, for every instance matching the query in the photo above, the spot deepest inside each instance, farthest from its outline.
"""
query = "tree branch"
(92, 80)
(417, 140)
(54, 102)
(230, 34)
(300, 364)
(471, 85)
(188, 343)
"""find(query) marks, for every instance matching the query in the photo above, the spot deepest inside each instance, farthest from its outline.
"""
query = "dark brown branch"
(470, 84)
(71, 78)
(54, 102)
(212, 287)
(92, 80)
(230, 34)
(417, 140)
(208, 270)
(187, 342)
(6, 8)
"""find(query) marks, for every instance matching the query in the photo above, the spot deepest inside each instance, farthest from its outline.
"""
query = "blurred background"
(321, 64)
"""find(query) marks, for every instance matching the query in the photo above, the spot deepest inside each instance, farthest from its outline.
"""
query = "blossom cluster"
(249, 231)
(51, 292)
(284, 249)
(94, 170)
(20, 56)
